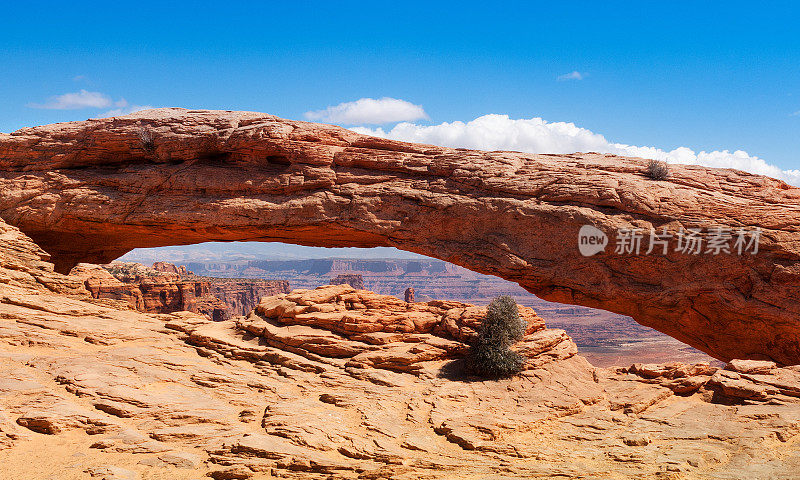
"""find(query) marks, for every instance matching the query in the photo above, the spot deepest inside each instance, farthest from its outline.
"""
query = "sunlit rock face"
(167, 288)
(342, 383)
(91, 191)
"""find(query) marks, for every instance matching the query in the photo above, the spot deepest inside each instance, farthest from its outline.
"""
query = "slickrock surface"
(91, 191)
(338, 383)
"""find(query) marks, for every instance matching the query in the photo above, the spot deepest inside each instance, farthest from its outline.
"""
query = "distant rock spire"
(410, 294)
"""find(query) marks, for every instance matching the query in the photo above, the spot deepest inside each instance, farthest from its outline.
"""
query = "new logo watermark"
(692, 241)
(591, 240)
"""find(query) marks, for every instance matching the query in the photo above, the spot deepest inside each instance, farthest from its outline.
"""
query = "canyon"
(339, 383)
(91, 191)
(167, 288)
(604, 338)
(433, 278)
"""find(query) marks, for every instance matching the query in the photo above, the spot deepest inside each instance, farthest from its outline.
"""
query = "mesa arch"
(92, 191)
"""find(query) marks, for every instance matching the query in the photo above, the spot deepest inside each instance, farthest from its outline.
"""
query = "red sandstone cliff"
(161, 289)
(241, 295)
(355, 280)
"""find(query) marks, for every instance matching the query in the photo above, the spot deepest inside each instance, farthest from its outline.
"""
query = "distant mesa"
(388, 276)
(91, 191)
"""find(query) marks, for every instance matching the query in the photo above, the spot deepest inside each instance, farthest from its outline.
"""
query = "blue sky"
(703, 75)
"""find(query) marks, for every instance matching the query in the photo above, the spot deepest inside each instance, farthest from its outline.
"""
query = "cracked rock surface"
(344, 383)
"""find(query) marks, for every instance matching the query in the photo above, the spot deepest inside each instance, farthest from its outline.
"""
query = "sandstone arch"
(91, 191)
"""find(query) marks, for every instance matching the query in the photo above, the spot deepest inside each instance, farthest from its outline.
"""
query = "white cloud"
(84, 99)
(535, 135)
(369, 111)
(124, 110)
(77, 100)
(573, 75)
(795, 114)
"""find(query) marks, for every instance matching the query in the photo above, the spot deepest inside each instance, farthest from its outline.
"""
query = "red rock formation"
(162, 290)
(409, 294)
(89, 389)
(381, 331)
(132, 272)
(241, 295)
(91, 191)
(171, 268)
(354, 280)
(345, 310)
(150, 290)
(101, 284)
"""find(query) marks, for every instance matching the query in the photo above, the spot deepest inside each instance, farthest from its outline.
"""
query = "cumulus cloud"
(369, 111)
(573, 75)
(535, 135)
(124, 109)
(75, 101)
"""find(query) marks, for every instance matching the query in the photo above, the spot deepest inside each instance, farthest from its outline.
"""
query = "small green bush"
(490, 355)
(490, 361)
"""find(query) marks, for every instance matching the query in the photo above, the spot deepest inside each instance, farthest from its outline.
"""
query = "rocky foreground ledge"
(343, 383)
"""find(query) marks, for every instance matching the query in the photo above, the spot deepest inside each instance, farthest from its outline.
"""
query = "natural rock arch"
(91, 191)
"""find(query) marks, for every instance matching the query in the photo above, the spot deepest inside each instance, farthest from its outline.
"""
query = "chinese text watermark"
(691, 241)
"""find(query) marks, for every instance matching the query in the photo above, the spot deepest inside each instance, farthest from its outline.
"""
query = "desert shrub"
(147, 140)
(502, 325)
(490, 355)
(491, 361)
(657, 170)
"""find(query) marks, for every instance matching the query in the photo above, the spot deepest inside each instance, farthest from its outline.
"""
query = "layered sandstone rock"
(101, 284)
(167, 267)
(91, 390)
(167, 288)
(241, 295)
(353, 279)
(132, 272)
(381, 331)
(152, 290)
(93, 190)
(24, 265)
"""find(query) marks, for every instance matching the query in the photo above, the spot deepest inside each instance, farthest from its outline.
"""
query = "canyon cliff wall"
(161, 289)
(242, 295)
